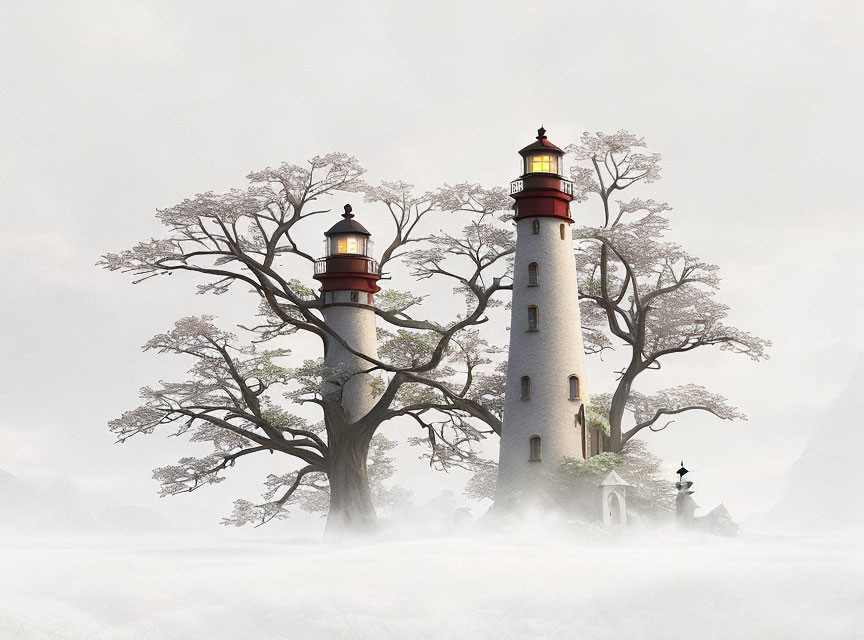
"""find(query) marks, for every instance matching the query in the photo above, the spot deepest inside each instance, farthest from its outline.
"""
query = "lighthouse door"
(614, 507)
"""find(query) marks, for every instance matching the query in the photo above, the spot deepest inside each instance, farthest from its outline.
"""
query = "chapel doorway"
(614, 507)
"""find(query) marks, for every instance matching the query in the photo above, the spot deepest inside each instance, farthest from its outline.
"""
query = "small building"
(718, 521)
(613, 493)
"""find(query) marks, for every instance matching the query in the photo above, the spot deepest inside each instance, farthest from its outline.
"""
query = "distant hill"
(13, 491)
(822, 489)
(28, 510)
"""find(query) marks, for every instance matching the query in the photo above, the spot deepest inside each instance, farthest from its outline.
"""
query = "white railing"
(566, 186)
(321, 266)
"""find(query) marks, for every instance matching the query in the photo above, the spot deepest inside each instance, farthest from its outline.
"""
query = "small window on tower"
(534, 449)
(525, 388)
(355, 296)
(563, 230)
(532, 275)
(535, 227)
(574, 387)
(533, 318)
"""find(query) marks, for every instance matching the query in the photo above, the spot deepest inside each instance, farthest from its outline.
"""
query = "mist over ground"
(636, 584)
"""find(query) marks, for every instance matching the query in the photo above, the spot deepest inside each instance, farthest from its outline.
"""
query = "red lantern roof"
(347, 225)
(542, 144)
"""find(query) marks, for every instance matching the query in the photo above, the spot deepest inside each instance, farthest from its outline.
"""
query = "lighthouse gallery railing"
(321, 265)
(566, 186)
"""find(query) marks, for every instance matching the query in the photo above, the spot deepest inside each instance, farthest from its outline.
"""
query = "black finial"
(347, 213)
(541, 133)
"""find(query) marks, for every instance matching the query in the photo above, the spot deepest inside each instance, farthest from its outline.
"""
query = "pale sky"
(110, 110)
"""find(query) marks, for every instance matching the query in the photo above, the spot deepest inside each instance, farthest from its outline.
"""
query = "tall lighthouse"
(349, 279)
(546, 392)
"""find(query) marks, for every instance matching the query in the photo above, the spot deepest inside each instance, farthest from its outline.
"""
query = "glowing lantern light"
(348, 244)
(545, 163)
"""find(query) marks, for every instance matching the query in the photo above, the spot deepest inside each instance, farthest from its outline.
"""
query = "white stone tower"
(546, 393)
(349, 278)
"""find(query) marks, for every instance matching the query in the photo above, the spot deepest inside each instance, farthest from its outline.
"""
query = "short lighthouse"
(546, 392)
(349, 279)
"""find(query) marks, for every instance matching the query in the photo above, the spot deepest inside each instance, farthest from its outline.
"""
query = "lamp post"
(685, 505)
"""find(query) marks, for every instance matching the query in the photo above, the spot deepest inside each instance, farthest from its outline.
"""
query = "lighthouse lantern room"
(347, 272)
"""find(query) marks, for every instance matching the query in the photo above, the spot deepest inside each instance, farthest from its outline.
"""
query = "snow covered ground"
(647, 585)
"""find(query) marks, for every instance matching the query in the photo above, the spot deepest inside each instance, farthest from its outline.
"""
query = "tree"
(439, 371)
(650, 294)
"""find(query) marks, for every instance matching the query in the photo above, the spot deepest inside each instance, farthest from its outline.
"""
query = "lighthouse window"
(533, 318)
(574, 387)
(534, 448)
(535, 227)
(543, 164)
(355, 296)
(532, 274)
(562, 229)
(525, 388)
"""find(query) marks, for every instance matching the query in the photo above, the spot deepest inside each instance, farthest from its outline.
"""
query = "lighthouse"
(546, 392)
(349, 279)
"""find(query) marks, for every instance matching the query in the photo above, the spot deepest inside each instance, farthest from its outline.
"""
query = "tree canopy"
(647, 293)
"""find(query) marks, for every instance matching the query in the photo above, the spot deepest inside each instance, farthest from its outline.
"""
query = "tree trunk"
(616, 412)
(351, 511)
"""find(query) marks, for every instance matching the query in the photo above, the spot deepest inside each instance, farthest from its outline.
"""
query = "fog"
(112, 110)
(637, 585)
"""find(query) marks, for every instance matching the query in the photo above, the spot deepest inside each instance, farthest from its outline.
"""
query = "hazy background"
(110, 110)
